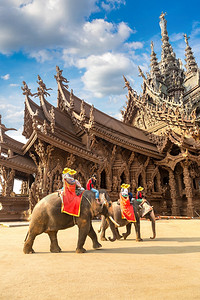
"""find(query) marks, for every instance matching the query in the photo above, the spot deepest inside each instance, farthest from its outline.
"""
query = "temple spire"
(191, 65)
(168, 55)
(154, 63)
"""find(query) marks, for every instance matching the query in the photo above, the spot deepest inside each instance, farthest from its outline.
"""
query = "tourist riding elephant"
(47, 217)
(117, 216)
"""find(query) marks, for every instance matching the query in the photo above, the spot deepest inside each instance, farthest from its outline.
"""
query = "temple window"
(175, 150)
(140, 181)
(17, 186)
(103, 180)
(165, 180)
(155, 184)
(194, 184)
(122, 178)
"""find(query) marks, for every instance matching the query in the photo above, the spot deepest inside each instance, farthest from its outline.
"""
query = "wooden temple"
(156, 145)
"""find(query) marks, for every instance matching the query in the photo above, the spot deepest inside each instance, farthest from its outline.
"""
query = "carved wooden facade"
(168, 110)
(157, 146)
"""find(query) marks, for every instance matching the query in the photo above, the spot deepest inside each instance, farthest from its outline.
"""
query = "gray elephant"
(47, 217)
(117, 216)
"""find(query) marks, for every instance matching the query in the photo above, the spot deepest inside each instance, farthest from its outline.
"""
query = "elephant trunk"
(153, 223)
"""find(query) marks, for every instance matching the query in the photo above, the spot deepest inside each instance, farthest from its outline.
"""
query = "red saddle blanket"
(127, 209)
(70, 201)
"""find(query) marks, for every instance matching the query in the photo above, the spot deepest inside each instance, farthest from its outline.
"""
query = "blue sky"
(94, 42)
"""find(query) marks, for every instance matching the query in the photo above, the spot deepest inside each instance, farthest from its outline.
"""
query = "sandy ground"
(165, 268)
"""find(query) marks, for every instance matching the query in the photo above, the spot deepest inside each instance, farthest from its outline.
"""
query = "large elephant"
(117, 216)
(47, 217)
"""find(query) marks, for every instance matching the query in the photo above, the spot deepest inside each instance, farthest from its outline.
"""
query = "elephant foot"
(139, 240)
(103, 239)
(125, 235)
(119, 237)
(82, 250)
(112, 239)
(27, 250)
(55, 249)
(97, 245)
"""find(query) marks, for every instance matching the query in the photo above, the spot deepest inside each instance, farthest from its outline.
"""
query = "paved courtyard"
(165, 268)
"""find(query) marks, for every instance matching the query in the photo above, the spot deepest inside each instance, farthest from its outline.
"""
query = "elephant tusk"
(111, 218)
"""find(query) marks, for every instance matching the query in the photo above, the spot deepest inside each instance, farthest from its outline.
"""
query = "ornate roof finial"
(91, 120)
(186, 39)
(26, 90)
(60, 78)
(191, 65)
(127, 84)
(82, 113)
(152, 46)
(163, 23)
(162, 15)
(71, 100)
(42, 89)
(155, 70)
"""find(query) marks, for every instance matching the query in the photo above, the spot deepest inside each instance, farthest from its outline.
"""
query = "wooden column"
(173, 188)
(188, 189)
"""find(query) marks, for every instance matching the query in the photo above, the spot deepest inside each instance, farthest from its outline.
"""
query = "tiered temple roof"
(74, 123)
(169, 106)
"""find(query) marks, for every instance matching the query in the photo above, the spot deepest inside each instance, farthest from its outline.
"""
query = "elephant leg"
(128, 231)
(93, 236)
(113, 229)
(84, 228)
(137, 230)
(29, 243)
(103, 227)
(153, 223)
(117, 234)
(54, 247)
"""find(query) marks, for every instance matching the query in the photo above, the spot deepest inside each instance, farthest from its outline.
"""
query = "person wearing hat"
(68, 175)
(139, 196)
(125, 204)
(91, 184)
(124, 189)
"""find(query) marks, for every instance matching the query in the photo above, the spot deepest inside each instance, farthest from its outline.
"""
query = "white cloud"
(112, 4)
(103, 74)
(97, 37)
(176, 37)
(5, 77)
(39, 24)
(134, 45)
(12, 114)
(17, 135)
(14, 84)
(41, 55)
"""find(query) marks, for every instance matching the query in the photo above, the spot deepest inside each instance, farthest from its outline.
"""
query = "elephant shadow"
(169, 239)
(158, 250)
(179, 239)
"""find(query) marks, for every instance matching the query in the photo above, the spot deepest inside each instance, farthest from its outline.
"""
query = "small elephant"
(117, 216)
(47, 217)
